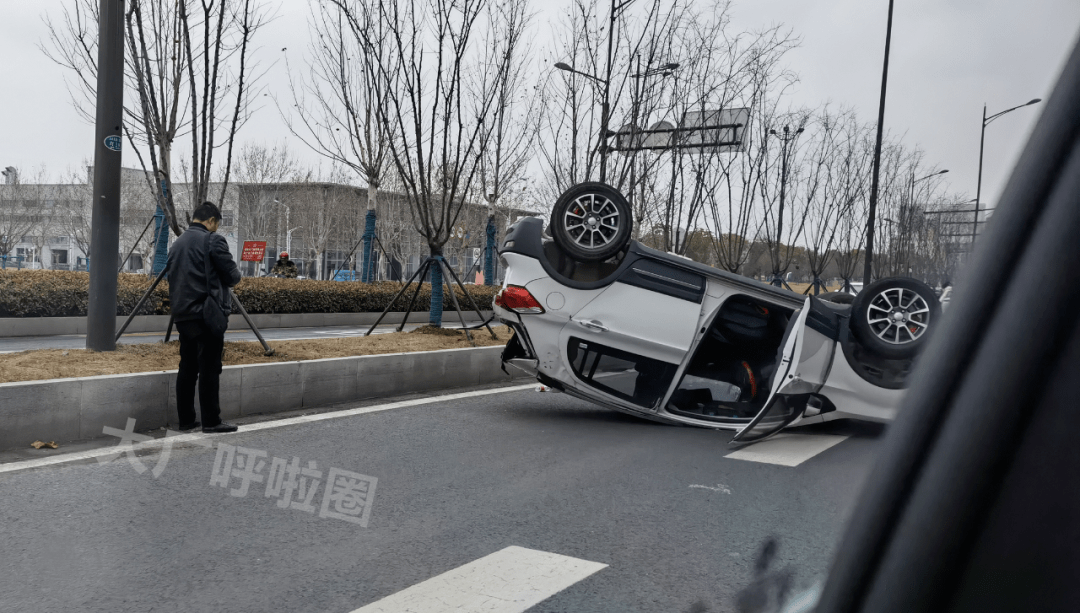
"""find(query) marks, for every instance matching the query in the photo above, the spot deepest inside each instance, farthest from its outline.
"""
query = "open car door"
(804, 361)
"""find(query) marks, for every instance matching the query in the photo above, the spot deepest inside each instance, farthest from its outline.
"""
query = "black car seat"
(742, 321)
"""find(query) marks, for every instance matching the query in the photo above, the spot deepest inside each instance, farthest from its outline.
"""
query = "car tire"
(837, 297)
(591, 222)
(894, 317)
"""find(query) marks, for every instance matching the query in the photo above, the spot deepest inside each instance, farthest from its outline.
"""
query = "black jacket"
(188, 283)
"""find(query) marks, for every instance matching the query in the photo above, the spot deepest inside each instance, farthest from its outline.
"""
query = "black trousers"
(200, 361)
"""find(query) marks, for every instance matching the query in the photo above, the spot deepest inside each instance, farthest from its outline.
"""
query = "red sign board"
(254, 251)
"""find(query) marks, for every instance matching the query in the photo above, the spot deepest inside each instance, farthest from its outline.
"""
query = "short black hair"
(207, 211)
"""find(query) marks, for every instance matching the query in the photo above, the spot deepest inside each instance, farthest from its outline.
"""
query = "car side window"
(638, 379)
(659, 277)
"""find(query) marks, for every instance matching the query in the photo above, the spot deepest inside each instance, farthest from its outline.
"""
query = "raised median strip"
(55, 326)
(78, 408)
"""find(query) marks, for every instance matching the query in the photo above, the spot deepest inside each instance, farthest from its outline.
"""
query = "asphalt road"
(78, 341)
(676, 523)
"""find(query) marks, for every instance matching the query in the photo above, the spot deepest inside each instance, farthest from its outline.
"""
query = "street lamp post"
(288, 230)
(637, 93)
(911, 199)
(907, 216)
(605, 112)
(982, 140)
(788, 137)
(605, 109)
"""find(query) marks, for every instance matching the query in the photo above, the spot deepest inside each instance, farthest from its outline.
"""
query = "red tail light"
(518, 299)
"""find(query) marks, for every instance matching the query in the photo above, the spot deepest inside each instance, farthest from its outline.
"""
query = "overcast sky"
(948, 58)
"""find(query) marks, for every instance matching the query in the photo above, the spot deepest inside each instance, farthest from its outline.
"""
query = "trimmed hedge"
(57, 293)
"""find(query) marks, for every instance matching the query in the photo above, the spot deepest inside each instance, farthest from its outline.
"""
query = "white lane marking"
(787, 449)
(507, 581)
(264, 425)
(720, 487)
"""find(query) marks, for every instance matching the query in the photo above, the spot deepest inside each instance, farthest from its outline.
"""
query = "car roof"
(526, 237)
(778, 293)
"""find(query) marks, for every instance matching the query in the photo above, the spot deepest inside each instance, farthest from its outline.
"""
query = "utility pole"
(868, 270)
(105, 223)
(605, 110)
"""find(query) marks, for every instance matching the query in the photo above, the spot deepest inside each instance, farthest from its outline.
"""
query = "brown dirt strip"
(42, 364)
(801, 287)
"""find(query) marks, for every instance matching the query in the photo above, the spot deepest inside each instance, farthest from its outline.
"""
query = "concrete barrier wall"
(69, 409)
(51, 326)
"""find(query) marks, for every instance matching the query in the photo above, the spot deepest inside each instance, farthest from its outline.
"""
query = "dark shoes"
(220, 428)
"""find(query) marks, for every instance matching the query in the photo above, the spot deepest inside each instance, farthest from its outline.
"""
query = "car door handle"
(593, 325)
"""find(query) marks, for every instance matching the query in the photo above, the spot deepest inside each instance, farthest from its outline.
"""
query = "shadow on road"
(853, 428)
(583, 413)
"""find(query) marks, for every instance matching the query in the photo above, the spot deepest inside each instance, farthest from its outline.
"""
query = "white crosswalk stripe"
(508, 581)
(787, 449)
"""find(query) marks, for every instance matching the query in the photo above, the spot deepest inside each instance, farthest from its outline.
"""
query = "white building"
(47, 225)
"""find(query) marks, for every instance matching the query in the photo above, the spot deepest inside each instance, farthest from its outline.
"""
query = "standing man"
(201, 271)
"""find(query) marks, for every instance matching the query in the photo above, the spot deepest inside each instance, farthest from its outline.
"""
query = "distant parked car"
(603, 317)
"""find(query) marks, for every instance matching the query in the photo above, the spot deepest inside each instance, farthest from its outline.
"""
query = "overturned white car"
(604, 318)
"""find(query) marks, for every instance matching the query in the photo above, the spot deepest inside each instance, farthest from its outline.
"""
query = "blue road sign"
(112, 143)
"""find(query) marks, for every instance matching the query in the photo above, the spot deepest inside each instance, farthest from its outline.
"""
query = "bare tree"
(189, 72)
(510, 130)
(438, 84)
(735, 210)
(75, 202)
(137, 207)
(320, 211)
(263, 175)
(837, 183)
(929, 234)
(680, 60)
(785, 191)
(896, 162)
(573, 100)
(943, 237)
(914, 189)
(721, 70)
(17, 211)
(337, 103)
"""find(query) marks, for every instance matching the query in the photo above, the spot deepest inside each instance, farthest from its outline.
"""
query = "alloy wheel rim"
(898, 316)
(592, 221)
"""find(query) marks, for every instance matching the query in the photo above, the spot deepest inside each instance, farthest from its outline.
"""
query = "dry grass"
(149, 357)
(801, 287)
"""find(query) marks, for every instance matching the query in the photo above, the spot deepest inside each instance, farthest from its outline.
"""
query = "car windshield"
(487, 305)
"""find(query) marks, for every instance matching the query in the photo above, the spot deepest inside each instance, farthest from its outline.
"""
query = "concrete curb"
(78, 408)
(53, 326)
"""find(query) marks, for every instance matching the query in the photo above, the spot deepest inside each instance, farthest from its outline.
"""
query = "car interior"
(729, 375)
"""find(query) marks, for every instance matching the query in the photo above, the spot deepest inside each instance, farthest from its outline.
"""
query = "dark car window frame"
(584, 357)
